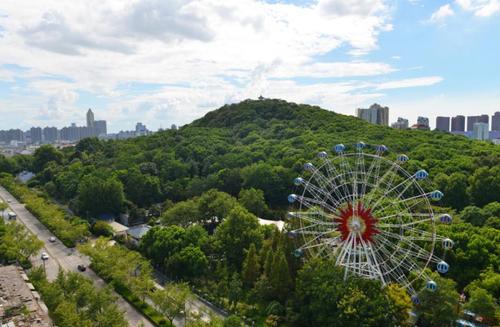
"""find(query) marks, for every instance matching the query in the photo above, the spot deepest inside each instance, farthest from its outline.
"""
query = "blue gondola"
(381, 148)
(436, 195)
(445, 218)
(431, 286)
(447, 244)
(442, 267)
(298, 253)
(298, 181)
(360, 145)
(402, 158)
(421, 174)
(339, 148)
(292, 198)
(322, 154)
(415, 299)
(308, 166)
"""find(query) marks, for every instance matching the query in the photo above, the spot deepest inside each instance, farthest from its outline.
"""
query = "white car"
(45, 256)
(9, 201)
(52, 239)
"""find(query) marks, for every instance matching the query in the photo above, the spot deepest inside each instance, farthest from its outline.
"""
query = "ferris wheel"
(370, 216)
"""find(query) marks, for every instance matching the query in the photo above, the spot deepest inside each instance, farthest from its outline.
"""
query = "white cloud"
(482, 8)
(351, 7)
(410, 82)
(440, 14)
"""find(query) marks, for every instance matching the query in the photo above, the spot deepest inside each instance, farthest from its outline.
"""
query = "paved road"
(66, 258)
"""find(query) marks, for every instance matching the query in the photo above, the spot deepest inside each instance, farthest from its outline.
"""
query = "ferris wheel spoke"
(320, 194)
(330, 221)
(335, 175)
(312, 203)
(407, 183)
(403, 238)
(325, 183)
(389, 172)
(414, 251)
(410, 214)
(411, 223)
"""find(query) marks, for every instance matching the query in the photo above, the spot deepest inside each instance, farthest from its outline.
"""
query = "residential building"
(36, 135)
(376, 114)
(50, 134)
(471, 120)
(480, 131)
(141, 129)
(495, 121)
(443, 123)
(458, 124)
(101, 128)
(422, 124)
(401, 123)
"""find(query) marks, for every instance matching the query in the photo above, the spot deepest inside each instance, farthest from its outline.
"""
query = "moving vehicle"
(52, 239)
(82, 268)
(45, 256)
(11, 215)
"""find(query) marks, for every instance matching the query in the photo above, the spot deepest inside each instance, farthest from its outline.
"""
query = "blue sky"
(171, 62)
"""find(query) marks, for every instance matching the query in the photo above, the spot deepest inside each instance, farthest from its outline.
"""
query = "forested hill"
(262, 144)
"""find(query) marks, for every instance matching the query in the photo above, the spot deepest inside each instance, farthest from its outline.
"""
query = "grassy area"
(69, 229)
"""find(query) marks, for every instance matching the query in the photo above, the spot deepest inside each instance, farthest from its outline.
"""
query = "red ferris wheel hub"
(357, 221)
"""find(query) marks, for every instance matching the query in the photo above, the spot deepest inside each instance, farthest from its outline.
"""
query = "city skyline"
(61, 57)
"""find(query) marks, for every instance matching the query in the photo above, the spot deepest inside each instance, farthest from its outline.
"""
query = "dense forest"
(204, 185)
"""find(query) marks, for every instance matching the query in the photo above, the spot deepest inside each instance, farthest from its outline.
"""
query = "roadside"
(64, 257)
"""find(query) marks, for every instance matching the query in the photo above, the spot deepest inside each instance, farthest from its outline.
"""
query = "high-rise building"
(471, 120)
(101, 128)
(401, 123)
(443, 123)
(90, 119)
(376, 114)
(36, 135)
(480, 131)
(495, 121)
(50, 134)
(458, 124)
(423, 122)
(141, 129)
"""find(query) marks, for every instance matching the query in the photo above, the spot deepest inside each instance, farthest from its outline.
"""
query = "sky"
(170, 62)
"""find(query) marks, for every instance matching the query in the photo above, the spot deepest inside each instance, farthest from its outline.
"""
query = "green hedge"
(69, 229)
(147, 310)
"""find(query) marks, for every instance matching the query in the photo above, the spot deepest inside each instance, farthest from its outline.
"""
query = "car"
(9, 201)
(45, 256)
(82, 267)
(52, 239)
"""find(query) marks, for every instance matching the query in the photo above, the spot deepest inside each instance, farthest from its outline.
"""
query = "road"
(64, 257)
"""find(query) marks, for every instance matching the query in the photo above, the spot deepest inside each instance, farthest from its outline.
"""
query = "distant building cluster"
(477, 126)
(16, 141)
(52, 135)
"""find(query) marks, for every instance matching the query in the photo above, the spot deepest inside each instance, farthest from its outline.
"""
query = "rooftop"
(20, 305)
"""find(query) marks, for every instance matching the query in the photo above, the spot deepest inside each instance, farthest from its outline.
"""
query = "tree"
(484, 185)
(171, 300)
(456, 191)
(142, 189)
(235, 290)
(183, 213)
(102, 228)
(253, 200)
(482, 303)
(324, 298)
(400, 303)
(279, 278)
(236, 233)
(190, 262)
(45, 154)
(214, 204)
(100, 194)
(251, 267)
(473, 215)
(17, 243)
(438, 308)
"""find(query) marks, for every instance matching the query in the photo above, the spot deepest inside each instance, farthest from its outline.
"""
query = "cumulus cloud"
(439, 15)
(205, 52)
(481, 8)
